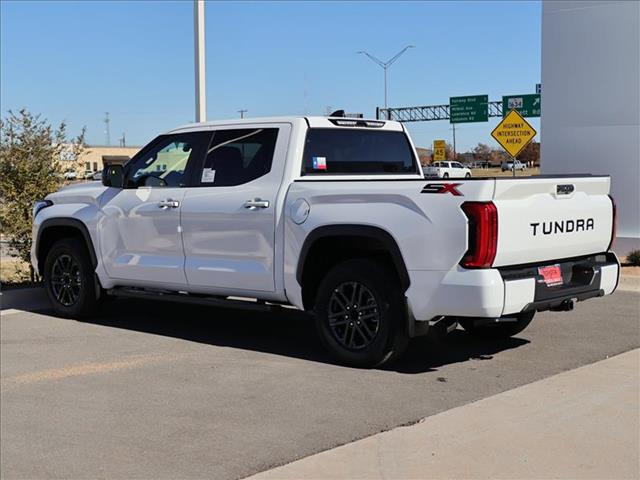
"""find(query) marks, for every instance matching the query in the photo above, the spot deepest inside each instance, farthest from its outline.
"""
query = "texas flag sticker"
(319, 163)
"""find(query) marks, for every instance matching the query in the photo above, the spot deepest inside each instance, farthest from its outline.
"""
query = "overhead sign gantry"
(465, 109)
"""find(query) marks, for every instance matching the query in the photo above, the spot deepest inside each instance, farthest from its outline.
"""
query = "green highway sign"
(474, 108)
(526, 105)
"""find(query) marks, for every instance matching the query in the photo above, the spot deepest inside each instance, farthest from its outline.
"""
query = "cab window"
(357, 151)
(164, 163)
(238, 156)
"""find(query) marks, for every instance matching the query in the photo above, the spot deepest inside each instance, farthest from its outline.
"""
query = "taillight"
(614, 220)
(483, 234)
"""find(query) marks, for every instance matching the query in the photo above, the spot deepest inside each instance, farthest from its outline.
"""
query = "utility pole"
(385, 65)
(107, 133)
(242, 112)
(201, 94)
(454, 142)
(123, 142)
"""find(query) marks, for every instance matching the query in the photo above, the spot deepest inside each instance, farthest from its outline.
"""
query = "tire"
(381, 334)
(468, 175)
(446, 175)
(69, 279)
(498, 330)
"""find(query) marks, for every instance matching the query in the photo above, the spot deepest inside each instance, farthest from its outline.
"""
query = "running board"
(169, 296)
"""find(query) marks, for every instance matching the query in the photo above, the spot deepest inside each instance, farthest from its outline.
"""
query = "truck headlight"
(39, 205)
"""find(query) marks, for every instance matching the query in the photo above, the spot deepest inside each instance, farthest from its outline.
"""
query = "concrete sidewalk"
(583, 423)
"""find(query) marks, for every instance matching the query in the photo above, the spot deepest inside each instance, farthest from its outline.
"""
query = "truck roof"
(313, 122)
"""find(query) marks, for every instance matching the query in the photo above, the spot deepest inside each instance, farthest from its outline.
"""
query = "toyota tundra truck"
(332, 216)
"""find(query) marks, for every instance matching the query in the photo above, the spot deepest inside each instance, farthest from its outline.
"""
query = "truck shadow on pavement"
(284, 332)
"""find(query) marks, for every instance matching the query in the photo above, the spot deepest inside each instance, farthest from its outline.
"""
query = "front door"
(229, 218)
(140, 238)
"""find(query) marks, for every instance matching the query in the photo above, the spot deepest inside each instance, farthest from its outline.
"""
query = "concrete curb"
(583, 423)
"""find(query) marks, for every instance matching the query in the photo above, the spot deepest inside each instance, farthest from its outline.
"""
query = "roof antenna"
(338, 113)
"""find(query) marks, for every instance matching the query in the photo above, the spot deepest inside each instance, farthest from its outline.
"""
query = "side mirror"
(112, 176)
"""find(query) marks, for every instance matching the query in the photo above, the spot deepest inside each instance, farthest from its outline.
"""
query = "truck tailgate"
(549, 218)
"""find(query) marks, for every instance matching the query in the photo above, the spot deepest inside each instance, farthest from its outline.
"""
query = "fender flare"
(72, 223)
(355, 230)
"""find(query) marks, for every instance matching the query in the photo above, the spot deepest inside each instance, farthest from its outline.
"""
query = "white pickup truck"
(447, 170)
(332, 216)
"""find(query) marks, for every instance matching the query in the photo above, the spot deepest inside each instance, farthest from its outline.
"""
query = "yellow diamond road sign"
(513, 133)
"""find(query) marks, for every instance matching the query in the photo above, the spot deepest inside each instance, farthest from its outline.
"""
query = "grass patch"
(14, 273)
(497, 172)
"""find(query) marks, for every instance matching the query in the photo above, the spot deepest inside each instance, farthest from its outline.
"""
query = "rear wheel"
(504, 329)
(446, 175)
(359, 314)
(468, 175)
(69, 279)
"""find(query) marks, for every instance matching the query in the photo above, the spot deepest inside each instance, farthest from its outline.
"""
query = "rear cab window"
(352, 151)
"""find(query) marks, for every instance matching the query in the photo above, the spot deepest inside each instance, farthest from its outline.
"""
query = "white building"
(591, 99)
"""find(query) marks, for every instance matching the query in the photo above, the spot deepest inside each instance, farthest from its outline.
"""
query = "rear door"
(229, 216)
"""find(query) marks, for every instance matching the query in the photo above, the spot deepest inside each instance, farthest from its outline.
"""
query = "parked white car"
(70, 175)
(97, 175)
(447, 170)
(509, 166)
(332, 216)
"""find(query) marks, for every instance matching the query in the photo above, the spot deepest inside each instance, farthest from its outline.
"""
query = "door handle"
(255, 204)
(168, 203)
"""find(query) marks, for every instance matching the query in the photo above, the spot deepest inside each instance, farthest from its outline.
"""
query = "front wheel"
(69, 279)
(359, 314)
(468, 175)
(497, 330)
(446, 175)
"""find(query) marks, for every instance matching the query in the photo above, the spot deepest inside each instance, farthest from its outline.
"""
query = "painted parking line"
(84, 369)
(11, 311)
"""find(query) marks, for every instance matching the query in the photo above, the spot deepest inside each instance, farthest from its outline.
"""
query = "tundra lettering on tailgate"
(562, 226)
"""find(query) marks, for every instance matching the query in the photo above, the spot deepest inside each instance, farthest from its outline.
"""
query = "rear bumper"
(505, 291)
(584, 278)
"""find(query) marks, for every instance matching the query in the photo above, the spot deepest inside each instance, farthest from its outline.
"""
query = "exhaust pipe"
(565, 306)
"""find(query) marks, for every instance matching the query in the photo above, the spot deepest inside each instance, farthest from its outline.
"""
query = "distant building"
(94, 158)
(591, 101)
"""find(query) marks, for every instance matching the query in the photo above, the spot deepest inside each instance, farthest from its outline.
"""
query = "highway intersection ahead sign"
(513, 133)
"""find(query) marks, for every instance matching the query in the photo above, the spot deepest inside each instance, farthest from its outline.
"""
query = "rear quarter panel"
(429, 228)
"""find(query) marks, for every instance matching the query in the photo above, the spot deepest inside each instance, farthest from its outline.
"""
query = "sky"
(74, 61)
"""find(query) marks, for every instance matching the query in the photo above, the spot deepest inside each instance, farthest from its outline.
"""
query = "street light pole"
(385, 65)
(242, 112)
(201, 91)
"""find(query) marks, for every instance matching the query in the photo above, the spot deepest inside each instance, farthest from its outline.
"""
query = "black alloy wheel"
(66, 281)
(69, 279)
(360, 313)
(354, 315)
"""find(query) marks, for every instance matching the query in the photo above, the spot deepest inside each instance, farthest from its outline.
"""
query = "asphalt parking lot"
(156, 390)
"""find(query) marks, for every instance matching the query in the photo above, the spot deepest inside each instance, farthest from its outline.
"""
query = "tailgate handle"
(565, 189)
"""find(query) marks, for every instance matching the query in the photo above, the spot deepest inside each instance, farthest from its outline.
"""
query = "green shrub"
(634, 258)
(29, 169)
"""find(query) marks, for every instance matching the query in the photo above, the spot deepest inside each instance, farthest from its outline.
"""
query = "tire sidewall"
(87, 297)
(378, 280)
